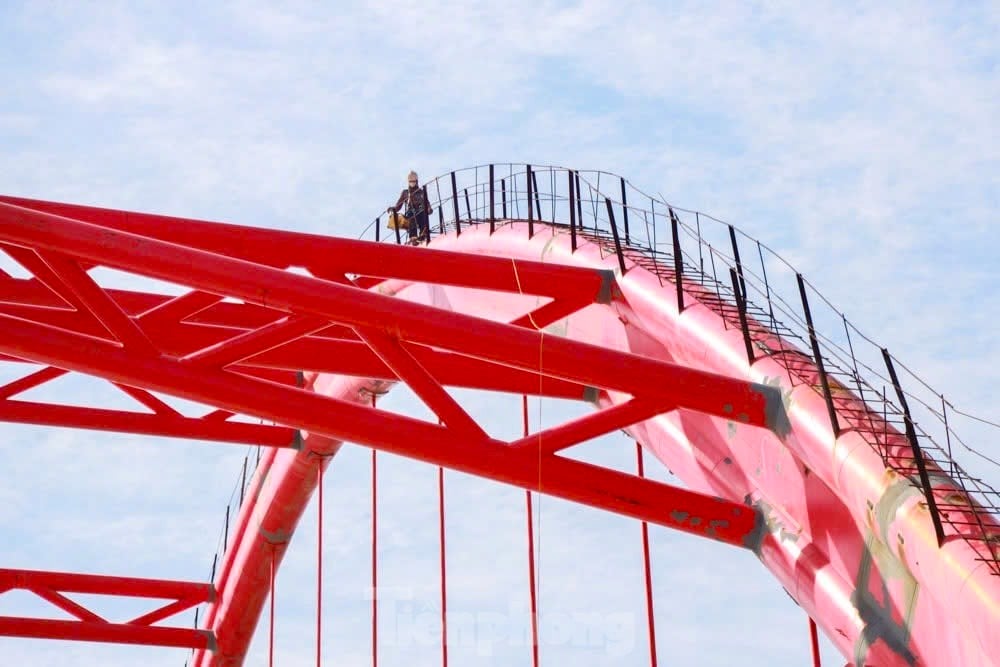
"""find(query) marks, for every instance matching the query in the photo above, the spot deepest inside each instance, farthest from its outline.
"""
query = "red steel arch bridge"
(795, 436)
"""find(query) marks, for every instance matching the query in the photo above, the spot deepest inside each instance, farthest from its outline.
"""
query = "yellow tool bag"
(397, 221)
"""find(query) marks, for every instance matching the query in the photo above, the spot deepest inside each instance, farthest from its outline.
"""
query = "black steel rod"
(824, 380)
(741, 308)
(225, 533)
(614, 232)
(701, 258)
(911, 435)
(572, 213)
(579, 201)
(531, 209)
(767, 288)
(947, 433)
(454, 205)
(678, 263)
(378, 224)
(857, 375)
(538, 202)
(468, 209)
(624, 211)
(739, 264)
(398, 240)
(427, 202)
(503, 196)
(437, 188)
(243, 484)
(492, 213)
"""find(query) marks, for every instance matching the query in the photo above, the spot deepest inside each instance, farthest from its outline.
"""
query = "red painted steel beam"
(253, 343)
(30, 381)
(323, 355)
(405, 436)
(319, 352)
(22, 295)
(147, 399)
(169, 309)
(91, 627)
(698, 390)
(98, 419)
(549, 313)
(97, 301)
(276, 499)
(96, 584)
(113, 633)
(333, 257)
(397, 357)
(45, 276)
(67, 605)
(591, 426)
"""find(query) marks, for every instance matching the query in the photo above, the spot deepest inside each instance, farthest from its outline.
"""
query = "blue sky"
(859, 142)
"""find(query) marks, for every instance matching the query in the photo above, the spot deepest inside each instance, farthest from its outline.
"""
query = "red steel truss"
(89, 626)
(246, 358)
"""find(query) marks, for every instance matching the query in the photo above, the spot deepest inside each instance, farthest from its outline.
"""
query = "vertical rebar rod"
(444, 584)
(736, 258)
(918, 457)
(374, 552)
(492, 212)
(824, 380)
(647, 569)
(531, 207)
(538, 201)
(678, 262)
(741, 308)
(532, 589)
(572, 212)
(625, 212)
(319, 564)
(454, 205)
(614, 232)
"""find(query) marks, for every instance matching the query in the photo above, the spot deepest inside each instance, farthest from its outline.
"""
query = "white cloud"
(859, 141)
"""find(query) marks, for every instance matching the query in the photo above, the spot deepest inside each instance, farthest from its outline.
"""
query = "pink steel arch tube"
(830, 565)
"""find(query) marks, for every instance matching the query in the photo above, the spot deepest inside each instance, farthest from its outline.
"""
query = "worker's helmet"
(411, 178)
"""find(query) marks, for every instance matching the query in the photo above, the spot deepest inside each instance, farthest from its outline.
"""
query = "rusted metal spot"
(716, 523)
(775, 415)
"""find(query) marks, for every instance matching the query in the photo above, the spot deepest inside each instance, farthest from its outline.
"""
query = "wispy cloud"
(860, 142)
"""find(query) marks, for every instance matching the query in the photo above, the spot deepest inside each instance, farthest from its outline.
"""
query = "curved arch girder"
(128, 354)
(837, 520)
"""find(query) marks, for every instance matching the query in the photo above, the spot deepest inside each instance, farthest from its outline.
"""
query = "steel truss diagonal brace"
(89, 626)
(332, 258)
(398, 358)
(340, 420)
(650, 382)
(242, 334)
(750, 403)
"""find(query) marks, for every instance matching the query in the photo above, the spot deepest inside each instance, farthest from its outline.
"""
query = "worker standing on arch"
(417, 210)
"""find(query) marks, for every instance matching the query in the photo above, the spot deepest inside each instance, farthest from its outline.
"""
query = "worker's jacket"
(415, 202)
